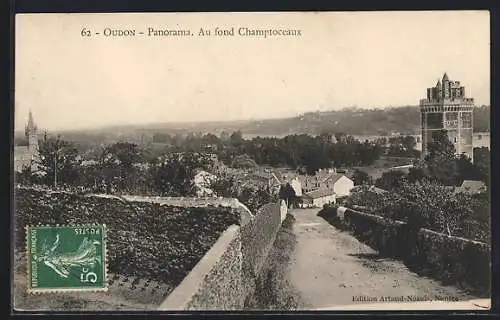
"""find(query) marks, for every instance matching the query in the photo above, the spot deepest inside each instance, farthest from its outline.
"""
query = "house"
(318, 198)
(296, 186)
(471, 187)
(340, 184)
(329, 179)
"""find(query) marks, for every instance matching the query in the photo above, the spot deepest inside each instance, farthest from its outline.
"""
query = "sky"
(341, 59)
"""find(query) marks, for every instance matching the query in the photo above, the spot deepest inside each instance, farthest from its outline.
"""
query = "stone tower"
(31, 133)
(446, 107)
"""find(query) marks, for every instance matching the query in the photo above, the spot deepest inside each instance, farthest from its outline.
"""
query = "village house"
(323, 188)
(329, 179)
(317, 198)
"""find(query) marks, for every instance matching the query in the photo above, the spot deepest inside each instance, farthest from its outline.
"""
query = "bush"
(450, 259)
(144, 239)
(429, 205)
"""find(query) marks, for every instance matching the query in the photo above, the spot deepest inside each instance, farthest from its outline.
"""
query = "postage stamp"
(66, 258)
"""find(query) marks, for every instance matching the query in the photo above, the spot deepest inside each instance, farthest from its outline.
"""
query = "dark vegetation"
(426, 196)
(144, 240)
(451, 260)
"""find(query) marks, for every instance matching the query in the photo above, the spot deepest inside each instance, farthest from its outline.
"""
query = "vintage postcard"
(252, 161)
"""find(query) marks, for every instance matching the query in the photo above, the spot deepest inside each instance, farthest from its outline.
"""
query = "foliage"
(243, 161)
(252, 196)
(58, 160)
(390, 180)
(443, 166)
(287, 193)
(172, 175)
(430, 205)
(482, 162)
(296, 151)
(403, 146)
(450, 259)
(360, 177)
(144, 240)
(117, 164)
(440, 160)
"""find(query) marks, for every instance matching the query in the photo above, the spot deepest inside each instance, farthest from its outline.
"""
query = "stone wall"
(447, 258)
(209, 252)
(226, 277)
(160, 239)
(216, 281)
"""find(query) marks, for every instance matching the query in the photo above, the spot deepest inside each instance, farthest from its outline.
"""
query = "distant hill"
(352, 121)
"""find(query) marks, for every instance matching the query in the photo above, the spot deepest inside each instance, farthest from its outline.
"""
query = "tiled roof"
(319, 193)
(330, 177)
(472, 186)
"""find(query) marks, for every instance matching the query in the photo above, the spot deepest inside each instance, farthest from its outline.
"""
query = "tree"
(360, 177)
(287, 193)
(440, 160)
(173, 174)
(482, 161)
(417, 173)
(390, 180)
(59, 160)
(224, 186)
(117, 162)
(162, 137)
(429, 205)
(122, 153)
(243, 161)
(236, 138)
(402, 146)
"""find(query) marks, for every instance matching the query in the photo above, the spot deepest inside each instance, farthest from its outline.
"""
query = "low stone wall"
(447, 258)
(227, 276)
(147, 238)
(216, 281)
(208, 252)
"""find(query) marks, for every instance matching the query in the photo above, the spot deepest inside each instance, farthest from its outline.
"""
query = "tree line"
(304, 152)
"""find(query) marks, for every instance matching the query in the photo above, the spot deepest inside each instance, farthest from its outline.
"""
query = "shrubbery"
(147, 240)
(430, 205)
(450, 259)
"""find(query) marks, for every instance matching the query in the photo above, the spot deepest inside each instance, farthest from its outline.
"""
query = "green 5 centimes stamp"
(66, 258)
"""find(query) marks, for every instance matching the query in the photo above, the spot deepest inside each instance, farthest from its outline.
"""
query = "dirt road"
(331, 268)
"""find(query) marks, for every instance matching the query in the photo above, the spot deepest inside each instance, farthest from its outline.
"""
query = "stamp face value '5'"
(67, 258)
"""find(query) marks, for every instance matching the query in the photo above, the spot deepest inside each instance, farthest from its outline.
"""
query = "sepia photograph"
(275, 161)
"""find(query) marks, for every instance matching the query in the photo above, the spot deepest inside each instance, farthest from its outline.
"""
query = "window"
(467, 120)
(434, 120)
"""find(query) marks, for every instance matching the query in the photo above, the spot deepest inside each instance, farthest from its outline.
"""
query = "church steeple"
(31, 123)
(445, 77)
(31, 132)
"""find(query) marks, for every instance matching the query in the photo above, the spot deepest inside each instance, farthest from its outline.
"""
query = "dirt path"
(330, 267)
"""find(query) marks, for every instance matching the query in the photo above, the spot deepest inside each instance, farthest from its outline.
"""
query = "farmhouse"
(327, 179)
(318, 198)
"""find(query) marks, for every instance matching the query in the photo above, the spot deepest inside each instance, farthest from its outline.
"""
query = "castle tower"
(446, 107)
(31, 133)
